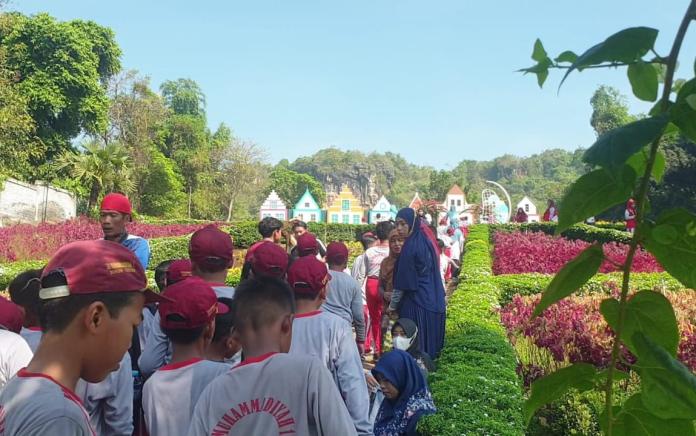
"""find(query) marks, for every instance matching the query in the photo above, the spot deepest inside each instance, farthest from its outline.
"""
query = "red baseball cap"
(336, 253)
(11, 315)
(307, 244)
(178, 271)
(116, 202)
(307, 275)
(212, 246)
(268, 259)
(90, 267)
(192, 304)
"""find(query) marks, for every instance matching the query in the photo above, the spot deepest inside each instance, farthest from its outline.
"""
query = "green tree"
(163, 188)
(440, 182)
(241, 174)
(184, 97)
(290, 185)
(609, 110)
(61, 67)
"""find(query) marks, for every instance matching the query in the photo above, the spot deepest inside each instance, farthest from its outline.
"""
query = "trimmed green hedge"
(530, 284)
(8, 271)
(476, 388)
(582, 232)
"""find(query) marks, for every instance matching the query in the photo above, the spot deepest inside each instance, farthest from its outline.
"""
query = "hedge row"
(476, 388)
(530, 284)
(582, 232)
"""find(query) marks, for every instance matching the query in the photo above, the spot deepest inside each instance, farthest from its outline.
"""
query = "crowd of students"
(86, 348)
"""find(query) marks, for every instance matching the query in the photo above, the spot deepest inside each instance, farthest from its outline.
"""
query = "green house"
(307, 209)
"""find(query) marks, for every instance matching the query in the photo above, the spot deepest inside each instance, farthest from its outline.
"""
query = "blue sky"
(432, 80)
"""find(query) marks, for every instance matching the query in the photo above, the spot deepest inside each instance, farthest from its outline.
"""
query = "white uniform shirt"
(15, 354)
(36, 405)
(330, 339)
(158, 349)
(274, 394)
(109, 403)
(170, 395)
(32, 336)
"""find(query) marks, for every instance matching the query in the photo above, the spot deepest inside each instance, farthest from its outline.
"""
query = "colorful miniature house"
(345, 208)
(307, 209)
(273, 207)
(382, 211)
(529, 208)
(455, 197)
(416, 203)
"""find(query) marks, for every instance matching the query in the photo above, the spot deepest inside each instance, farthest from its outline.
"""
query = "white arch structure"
(507, 196)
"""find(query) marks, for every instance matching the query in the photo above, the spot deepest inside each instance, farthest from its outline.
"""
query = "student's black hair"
(268, 225)
(161, 273)
(367, 239)
(56, 314)
(24, 290)
(182, 336)
(383, 229)
(297, 224)
(246, 270)
(212, 265)
(224, 322)
(259, 301)
(440, 243)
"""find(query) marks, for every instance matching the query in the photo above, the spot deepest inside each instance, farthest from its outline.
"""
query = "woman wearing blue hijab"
(418, 288)
(406, 393)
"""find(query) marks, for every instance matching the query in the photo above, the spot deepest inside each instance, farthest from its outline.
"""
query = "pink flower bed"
(536, 252)
(28, 242)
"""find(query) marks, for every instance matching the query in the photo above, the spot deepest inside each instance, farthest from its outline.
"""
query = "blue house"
(382, 211)
(307, 209)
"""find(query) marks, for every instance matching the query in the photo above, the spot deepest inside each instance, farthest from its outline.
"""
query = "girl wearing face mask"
(405, 338)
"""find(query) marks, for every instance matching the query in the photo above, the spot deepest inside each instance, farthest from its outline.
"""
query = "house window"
(459, 202)
(301, 217)
(346, 219)
(356, 219)
(345, 205)
(280, 216)
(334, 218)
(526, 207)
(274, 204)
(265, 215)
(452, 203)
(306, 205)
(313, 217)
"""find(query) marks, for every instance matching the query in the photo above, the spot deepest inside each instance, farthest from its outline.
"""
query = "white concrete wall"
(22, 202)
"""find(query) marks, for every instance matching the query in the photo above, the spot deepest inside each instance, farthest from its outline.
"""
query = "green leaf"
(625, 46)
(672, 240)
(553, 386)
(691, 101)
(634, 419)
(567, 56)
(683, 114)
(613, 149)
(668, 386)
(541, 70)
(647, 312)
(539, 54)
(639, 162)
(593, 193)
(571, 277)
(643, 78)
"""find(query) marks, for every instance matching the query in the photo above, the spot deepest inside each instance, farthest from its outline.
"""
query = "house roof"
(381, 200)
(416, 203)
(455, 190)
(307, 196)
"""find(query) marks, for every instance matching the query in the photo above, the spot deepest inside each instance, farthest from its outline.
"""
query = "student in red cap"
(268, 260)
(299, 228)
(271, 230)
(328, 337)
(211, 252)
(115, 213)
(24, 291)
(92, 296)
(270, 392)
(170, 395)
(14, 351)
(344, 297)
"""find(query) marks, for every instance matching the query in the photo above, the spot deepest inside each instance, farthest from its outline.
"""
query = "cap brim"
(154, 297)
(222, 308)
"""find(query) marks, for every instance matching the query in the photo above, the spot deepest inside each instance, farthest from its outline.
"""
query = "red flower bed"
(28, 242)
(536, 252)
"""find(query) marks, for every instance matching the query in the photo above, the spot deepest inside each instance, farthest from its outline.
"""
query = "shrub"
(476, 388)
(8, 271)
(582, 232)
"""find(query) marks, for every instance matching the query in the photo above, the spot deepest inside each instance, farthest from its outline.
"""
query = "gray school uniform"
(273, 394)
(36, 405)
(330, 339)
(158, 349)
(344, 298)
(170, 395)
(109, 403)
(32, 336)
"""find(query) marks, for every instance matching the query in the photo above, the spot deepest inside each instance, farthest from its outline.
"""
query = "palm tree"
(101, 167)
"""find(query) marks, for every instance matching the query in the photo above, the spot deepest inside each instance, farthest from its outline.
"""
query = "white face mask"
(402, 343)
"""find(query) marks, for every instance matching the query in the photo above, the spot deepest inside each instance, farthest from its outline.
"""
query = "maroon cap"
(337, 253)
(11, 315)
(211, 246)
(193, 304)
(178, 271)
(307, 244)
(116, 202)
(268, 259)
(91, 267)
(307, 275)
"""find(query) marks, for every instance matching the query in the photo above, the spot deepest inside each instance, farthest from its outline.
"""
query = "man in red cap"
(115, 213)
(93, 294)
(328, 337)
(299, 229)
(14, 351)
(189, 322)
(268, 260)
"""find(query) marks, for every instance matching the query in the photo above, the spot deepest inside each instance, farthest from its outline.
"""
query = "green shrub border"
(476, 387)
(582, 232)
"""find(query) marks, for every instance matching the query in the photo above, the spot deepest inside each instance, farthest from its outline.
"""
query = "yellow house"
(345, 208)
